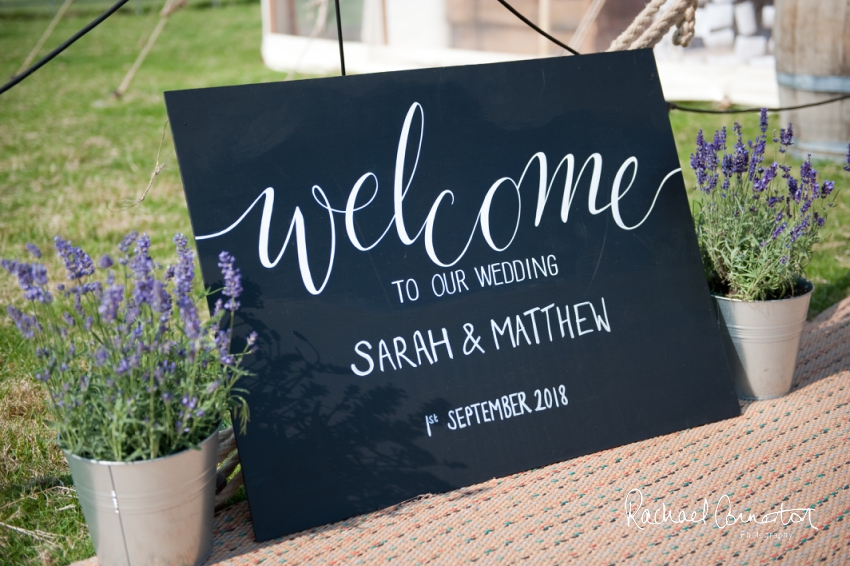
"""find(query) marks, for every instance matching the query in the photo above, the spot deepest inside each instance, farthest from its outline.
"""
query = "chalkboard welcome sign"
(455, 274)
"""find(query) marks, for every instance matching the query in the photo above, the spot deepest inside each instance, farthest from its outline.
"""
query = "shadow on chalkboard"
(370, 455)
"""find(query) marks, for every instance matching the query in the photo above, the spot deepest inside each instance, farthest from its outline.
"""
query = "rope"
(646, 31)
(228, 491)
(228, 461)
(226, 444)
(641, 22)
(686, 29)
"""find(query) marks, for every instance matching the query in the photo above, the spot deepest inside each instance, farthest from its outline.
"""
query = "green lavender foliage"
(757, 222)
(131, 371)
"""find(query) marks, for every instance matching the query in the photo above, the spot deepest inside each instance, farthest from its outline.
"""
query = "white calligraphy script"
(426, 231)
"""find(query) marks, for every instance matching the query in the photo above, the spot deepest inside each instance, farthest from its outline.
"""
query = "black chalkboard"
(441, 313)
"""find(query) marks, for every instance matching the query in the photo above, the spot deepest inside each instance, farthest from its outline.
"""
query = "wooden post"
(44, 36)
(293, 17)
(544, 20)
(384, 22)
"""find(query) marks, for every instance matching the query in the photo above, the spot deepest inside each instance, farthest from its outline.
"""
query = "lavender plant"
(757, 222)
(132, 372)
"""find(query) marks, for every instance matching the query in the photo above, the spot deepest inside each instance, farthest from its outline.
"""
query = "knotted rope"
(646, 31)
(228, 459)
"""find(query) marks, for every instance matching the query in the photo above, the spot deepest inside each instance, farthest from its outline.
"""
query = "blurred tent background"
(730, 60)
(755, 53)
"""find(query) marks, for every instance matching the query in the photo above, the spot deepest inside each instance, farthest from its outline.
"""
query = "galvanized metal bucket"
(149, 513)
(762, 339)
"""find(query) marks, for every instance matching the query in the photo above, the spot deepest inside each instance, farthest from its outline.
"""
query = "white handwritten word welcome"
(401, 186)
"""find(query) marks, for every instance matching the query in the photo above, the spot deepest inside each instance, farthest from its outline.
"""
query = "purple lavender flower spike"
(705, 161)
(9, 265)
(799, 229)
(720, 139)
(847, 160)
(105, 262)
(161, 300)
(184, 274)
(794, 190)
(34, 251)
(757, 157)
(786, 137)
(39, 274)
(222, 339)
(112, 298)
(128, 240)
(828, 187)
(77, 262)
(808, 174)
(763, 121)
(26, 324)
(219, 306)
(222, 342)
(123, 366)
(761, 184)
(32, 279)
(778, 231)
(726, 165)
(232, 281)
(740, 158)
(143, 267)
(101, 356)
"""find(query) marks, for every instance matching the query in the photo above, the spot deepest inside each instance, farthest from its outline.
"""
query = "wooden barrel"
(812, 47)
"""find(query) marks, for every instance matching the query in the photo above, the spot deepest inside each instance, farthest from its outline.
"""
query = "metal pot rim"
(804, 283)
(137, 462)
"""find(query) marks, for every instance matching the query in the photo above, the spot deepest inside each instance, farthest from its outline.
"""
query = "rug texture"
(699, 486)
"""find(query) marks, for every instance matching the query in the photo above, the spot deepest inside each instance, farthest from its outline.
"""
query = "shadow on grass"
(827, 294)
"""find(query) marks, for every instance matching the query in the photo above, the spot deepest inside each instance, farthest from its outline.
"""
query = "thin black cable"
(670, 105)
(339, 36)
(63, 47)
(530, 24)
(674, 106)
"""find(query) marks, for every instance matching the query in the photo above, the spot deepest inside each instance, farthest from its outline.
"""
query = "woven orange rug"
(698, 487)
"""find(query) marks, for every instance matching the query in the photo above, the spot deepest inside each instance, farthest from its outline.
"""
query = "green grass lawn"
(72, 161)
